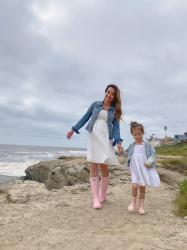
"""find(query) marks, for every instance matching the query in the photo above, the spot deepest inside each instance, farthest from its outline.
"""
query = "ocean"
(14, 159)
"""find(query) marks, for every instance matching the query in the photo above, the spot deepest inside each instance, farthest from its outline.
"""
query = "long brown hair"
(117, 100)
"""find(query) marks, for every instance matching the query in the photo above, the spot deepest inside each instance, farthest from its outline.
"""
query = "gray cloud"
(58, 56)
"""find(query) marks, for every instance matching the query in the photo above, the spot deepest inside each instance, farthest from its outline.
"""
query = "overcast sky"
(56, 58)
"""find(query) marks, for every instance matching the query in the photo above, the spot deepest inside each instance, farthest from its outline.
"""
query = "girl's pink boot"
(94, 181)
(103, 188)
(141, 207)
(132, 206)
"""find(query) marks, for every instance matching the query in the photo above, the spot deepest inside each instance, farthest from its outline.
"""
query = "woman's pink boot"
(103, 188)
(94, 181)
(132, 206)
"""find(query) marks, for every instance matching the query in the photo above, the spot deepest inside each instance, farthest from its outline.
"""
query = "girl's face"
(109, 95)
(138, 135)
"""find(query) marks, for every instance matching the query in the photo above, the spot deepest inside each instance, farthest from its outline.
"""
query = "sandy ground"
(64, 220)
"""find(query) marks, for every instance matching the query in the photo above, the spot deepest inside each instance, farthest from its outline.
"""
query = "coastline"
(15, 159)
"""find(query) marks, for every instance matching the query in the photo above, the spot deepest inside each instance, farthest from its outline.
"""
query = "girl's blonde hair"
(136, 125)
(117, 100)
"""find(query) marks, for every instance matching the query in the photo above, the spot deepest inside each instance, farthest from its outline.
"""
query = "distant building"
(156, 142)
(167, 140)
(181, 138)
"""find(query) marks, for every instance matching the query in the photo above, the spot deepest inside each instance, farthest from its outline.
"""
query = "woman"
(104, 133)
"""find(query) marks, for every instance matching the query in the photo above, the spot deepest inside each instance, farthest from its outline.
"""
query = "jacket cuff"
(116, 142)
(75, 130)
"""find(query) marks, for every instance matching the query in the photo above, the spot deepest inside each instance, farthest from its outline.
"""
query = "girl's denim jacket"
(92, 113)
(149, 151)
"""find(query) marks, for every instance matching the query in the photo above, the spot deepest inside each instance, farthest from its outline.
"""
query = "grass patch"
(179, 149)
(181, 200)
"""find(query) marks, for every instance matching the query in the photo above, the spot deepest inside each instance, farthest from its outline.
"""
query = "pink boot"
(132, 206)
(94, 181)
(141, 207)
(103, 188)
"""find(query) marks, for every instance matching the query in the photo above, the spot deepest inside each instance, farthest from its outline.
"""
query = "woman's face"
(137, 134)
(109, 95)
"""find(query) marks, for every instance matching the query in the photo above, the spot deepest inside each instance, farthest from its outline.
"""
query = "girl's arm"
(83, 119)
(116, 132)
(152, 158)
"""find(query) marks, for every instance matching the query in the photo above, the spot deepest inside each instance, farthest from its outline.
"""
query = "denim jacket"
(149, 151)
(92, 113)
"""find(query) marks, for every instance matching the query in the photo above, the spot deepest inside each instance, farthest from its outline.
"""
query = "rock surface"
(58, 173)
(65, 171)
(20, 191)
(68, 171)
(32, 217)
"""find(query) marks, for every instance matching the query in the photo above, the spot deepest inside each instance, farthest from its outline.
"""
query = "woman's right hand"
(69, 134)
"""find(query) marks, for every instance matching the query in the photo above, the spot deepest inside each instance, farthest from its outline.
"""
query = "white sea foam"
(15, 169)
(76, 152)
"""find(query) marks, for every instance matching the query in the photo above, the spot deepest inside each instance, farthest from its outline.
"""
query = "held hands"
(120, 149)
(146, 165)
(69, 134)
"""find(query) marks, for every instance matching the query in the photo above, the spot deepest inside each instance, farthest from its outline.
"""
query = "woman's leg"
(104, 170)
(94, 181)
(93, 170)
(141, 200)
(134, 191)
(104, 182)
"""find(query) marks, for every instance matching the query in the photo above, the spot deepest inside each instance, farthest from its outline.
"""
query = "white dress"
(139, 173)
(100, 149)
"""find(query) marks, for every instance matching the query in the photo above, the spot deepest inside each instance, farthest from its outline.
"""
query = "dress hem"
(146, 185)
(107, 163)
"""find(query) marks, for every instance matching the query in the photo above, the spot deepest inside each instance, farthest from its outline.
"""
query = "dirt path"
(64, 220)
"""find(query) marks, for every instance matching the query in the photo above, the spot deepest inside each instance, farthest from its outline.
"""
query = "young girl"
(104, 133)
(141, 159)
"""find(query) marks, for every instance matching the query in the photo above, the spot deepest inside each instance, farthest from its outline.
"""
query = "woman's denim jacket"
(149, 151)
(92, 113)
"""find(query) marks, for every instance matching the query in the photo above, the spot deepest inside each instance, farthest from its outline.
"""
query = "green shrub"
(175, 149)
(181, 199)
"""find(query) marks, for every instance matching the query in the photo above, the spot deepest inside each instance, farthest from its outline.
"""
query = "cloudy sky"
(56, 58)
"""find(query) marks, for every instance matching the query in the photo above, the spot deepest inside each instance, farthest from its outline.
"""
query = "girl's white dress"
(100, 149)
(139, 173)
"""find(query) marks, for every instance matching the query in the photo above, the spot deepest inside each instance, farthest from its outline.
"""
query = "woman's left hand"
(120, 149)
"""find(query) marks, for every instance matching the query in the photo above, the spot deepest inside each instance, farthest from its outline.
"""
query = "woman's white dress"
(100, 149)
(139, 173)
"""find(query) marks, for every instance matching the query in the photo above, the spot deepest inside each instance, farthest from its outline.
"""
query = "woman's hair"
(136, 125)
(117, 100)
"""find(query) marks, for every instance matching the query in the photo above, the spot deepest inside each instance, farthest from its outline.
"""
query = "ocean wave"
(77, 152)
(15, 169)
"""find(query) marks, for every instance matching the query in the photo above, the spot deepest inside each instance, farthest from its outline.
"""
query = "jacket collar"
(100, 104)
(143, 141)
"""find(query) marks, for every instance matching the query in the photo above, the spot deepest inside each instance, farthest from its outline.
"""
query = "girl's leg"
(141, 200)
(104, 182)
(94, 181)
(134, 189)
(134, 192)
